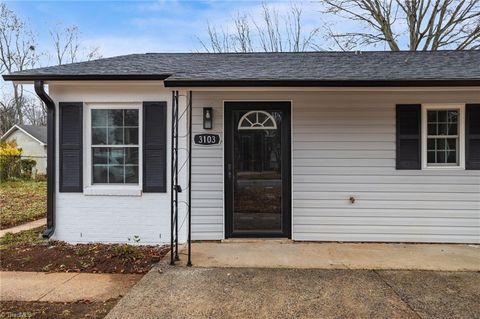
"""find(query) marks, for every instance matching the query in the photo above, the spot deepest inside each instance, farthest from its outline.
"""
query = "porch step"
(257, 240)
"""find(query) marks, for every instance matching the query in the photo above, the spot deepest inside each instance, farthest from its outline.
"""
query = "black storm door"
(257, 169)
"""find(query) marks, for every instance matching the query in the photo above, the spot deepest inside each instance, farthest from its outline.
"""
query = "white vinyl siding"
(207, 173)
(330, 166)
(343, 145)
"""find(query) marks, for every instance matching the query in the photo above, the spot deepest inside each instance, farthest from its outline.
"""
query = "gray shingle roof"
(39, 132)
(177, 68)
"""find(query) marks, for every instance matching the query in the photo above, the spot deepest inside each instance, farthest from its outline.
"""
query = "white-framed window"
(443, 127)
(113, 148)
(257, 120)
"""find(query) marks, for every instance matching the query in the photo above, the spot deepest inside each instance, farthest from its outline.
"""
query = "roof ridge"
(301, 52)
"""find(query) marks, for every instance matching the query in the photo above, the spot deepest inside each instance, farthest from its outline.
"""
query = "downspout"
(40, 90)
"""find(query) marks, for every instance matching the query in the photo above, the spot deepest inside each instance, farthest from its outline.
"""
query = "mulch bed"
(69, 310)
(91, 258)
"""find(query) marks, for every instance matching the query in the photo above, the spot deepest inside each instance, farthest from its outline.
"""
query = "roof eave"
(85, 77)
(324, 83)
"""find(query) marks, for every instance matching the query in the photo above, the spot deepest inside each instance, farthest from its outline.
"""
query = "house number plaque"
(206, 139)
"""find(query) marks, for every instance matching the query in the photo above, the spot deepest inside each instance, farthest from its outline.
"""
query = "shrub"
(40, 177)
(27, 166)
(127, 252)
(10, 158)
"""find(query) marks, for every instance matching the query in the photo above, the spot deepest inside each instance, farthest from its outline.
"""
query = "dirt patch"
(70, 310)
(26, 251)
(21, 202)
(93, 258)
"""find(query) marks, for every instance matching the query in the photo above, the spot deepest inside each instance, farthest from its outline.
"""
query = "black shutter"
(472, 136)
(409, 136)
(71, 144)
(154, 147)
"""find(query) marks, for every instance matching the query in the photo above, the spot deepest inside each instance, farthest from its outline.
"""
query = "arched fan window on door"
(257, 120)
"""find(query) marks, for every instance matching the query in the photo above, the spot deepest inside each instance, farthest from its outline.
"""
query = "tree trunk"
(18, 104)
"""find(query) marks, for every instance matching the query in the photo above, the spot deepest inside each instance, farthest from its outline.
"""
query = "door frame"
(286, 169)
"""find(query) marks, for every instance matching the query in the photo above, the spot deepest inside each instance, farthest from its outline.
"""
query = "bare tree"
(272, 32)
(242, 37)
(34, 111)
(17, 52)
(8, 114)
(67, 46)
(219, 40)
(269, 30)
(407, 24)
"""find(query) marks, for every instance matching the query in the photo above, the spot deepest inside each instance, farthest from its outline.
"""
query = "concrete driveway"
(182, 292)
(281, 279)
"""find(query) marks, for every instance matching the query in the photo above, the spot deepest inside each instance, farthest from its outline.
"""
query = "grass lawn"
(29, 237)
(21, 202)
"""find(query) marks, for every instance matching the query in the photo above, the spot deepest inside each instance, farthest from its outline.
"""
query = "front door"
(257, 169)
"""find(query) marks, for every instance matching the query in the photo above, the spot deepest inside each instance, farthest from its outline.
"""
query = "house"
(32, 139)
(320, 146)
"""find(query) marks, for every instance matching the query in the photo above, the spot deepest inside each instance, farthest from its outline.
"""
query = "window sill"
(100, 190)
(443, 168)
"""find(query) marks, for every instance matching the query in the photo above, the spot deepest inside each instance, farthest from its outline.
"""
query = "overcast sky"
(122, 27)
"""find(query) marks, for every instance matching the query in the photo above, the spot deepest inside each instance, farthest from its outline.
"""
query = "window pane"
(452, 129)
(100, 155)
(99, 174)
(442, 129)
(131, 117)
(115, 136)
(115, 174)
(442, 116)
(440, 143)
(431, 156)
(441, 157)
(452, 116)
(432, 129)
(131, 136)
(451, 157)
(431, 144)
(99, 136)
(131, 155)
(116, 156)
(131, 174)
(452, 143)
(99, 117)
(432, 116)
(115, 117)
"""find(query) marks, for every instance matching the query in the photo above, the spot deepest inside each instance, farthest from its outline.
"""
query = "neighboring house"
(32, 139)
(321, 146)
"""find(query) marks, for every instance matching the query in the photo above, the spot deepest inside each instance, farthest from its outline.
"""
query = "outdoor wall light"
(207, 118)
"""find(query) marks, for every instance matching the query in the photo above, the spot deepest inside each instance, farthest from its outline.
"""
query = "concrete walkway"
(63, 287)
(26, 226)
(288, 254)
